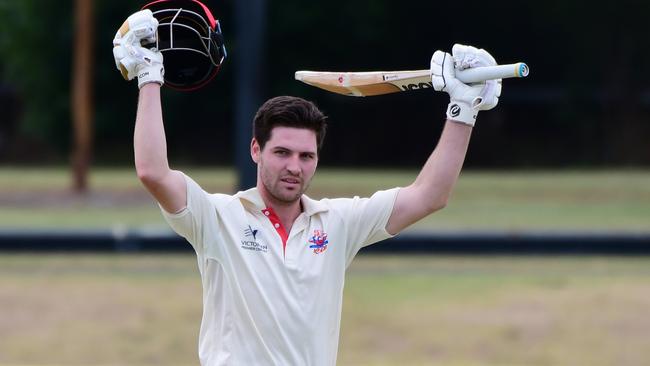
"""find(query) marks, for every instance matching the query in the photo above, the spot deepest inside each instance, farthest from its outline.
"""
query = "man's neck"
(287, 212)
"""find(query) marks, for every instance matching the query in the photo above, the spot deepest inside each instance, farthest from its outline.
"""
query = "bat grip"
(479, 74)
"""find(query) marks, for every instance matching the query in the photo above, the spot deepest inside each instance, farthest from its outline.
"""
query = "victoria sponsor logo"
(250, 232)
(251, 243)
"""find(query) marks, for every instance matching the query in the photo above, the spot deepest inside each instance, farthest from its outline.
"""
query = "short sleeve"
(366, 219)
(192, 221)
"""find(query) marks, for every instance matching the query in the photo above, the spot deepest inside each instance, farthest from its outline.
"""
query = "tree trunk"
(82, 94)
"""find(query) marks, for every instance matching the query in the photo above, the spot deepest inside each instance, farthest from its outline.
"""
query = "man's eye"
(281, 152)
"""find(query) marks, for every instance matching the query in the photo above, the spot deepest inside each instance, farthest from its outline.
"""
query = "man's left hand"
(465, 100)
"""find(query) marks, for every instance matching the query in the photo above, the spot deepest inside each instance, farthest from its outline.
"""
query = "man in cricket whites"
(272, 260)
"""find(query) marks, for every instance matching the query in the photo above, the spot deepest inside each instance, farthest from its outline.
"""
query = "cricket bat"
(362, 84)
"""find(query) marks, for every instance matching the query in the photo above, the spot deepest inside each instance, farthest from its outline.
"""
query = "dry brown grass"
(145, 310)
(108, 310)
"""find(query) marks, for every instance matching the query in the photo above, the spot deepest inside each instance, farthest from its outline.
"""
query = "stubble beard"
(272, 187)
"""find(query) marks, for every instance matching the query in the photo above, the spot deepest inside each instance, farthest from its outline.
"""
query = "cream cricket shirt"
(272, 297)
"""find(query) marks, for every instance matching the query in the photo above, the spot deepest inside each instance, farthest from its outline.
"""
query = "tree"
(82, 105)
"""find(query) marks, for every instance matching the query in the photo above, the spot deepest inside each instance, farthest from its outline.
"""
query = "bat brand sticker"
(416, 86)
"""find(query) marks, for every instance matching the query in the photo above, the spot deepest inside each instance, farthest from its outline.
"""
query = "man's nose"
(293, 165)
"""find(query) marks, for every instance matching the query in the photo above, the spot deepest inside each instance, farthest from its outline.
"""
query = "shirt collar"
(253, 197)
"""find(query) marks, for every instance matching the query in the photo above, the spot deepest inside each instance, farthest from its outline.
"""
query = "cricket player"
(272, 260)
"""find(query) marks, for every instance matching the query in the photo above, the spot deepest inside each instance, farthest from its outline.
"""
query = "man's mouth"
(291, 180)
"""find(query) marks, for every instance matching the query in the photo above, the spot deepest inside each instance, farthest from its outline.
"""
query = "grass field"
(499, 201)
(425, 310)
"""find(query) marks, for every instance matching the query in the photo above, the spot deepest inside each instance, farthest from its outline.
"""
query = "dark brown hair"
(287, 111)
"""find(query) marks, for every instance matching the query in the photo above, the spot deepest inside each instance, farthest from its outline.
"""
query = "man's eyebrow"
(288, 149)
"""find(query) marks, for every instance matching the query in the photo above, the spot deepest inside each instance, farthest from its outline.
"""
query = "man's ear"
(255, 150)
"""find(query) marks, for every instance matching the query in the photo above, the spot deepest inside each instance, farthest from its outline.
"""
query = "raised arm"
(149, 143)
(167, 186)
(433, 186)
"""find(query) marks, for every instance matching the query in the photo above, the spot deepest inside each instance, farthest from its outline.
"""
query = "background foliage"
(586, 102)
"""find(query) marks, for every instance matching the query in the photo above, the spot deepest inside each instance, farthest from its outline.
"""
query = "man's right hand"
(133, 60)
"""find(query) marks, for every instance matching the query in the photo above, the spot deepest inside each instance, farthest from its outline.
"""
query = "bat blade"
(366, 83)
(361, 84)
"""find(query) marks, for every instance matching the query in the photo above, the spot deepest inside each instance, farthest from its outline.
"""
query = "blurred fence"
(448, 243)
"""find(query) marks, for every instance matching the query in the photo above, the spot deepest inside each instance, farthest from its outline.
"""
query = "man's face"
(287, 163)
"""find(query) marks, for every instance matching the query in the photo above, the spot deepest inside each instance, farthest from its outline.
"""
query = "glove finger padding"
(438, 69)
(489, 96)
(133, 60)
(485, 58)
(139, 28)
(467, 57)
(129, 59)
(122, 63)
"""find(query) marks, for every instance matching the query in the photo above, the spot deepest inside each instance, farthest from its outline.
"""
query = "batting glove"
(465, 100)
(133, 60)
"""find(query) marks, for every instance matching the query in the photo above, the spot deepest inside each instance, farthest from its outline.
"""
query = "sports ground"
(426, 310)
(144, 309)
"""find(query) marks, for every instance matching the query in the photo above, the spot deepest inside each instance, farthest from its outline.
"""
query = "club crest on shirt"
(318, 241)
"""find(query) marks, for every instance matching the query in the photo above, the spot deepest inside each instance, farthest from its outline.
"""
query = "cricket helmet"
(190, 40)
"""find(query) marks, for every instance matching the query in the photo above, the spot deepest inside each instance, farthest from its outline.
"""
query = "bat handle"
(479, 74)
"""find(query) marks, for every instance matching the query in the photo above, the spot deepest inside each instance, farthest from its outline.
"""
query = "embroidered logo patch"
(319, 241)
(250, 232)
(253, 245)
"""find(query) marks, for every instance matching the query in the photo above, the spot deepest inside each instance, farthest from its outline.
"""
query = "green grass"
(511, 201)
(425, 310)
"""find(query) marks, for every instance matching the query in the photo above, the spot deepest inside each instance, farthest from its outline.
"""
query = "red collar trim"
(275, 220)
